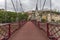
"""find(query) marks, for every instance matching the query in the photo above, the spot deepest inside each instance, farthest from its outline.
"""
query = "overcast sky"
(29, 4)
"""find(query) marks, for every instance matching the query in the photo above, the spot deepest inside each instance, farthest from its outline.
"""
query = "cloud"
(56, 4)
(1, 3)
(30, 4)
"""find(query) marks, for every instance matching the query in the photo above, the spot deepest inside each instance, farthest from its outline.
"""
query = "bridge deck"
(29, 32)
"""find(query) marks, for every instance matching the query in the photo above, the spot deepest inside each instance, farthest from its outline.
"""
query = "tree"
(22, 16)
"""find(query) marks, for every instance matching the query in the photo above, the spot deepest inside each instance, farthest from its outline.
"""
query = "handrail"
(56, 28)
(47, 27)
(10, 28)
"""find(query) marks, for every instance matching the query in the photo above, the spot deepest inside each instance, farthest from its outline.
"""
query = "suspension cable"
(5, 9)
(21, 5)
(50, 9)
(42, 8)
(17, 10)
(50, 5)
(43, 4)
(16, 6)
(37, 5)
(13, 6)
(5, 4)
(40, 4)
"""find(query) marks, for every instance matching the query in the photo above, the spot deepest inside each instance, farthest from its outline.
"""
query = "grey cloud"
(31, 4)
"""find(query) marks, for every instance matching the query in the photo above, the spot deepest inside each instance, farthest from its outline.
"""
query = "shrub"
(22, 16)
(58, 21)
(53, 20)
(7, 16)
(43, 20)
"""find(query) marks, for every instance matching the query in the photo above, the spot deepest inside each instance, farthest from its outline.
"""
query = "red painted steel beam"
(48, 29)
(52, 29)
(9, 30)
(56, 32)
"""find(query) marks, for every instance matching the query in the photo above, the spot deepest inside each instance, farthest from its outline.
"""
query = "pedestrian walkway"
(29, 32)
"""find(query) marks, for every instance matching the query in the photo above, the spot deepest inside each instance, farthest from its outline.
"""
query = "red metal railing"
(52, 30)
(6, 30)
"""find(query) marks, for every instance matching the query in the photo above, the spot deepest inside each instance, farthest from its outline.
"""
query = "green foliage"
(11, 17)
(53, 20)
(22, 16)
(25, 16)
(43, 20)
(1, 16)
(58, 21)
(7, 16)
